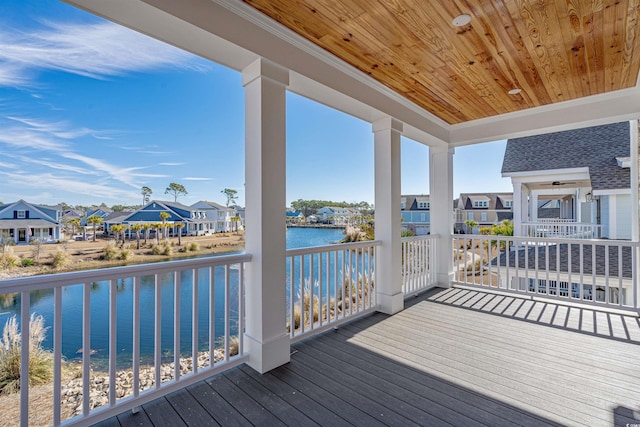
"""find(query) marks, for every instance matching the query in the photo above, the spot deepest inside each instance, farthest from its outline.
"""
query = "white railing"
(560, 220)
(597, 272)
(328, 285)
(418, 259)
(178, 321)
(560, 229)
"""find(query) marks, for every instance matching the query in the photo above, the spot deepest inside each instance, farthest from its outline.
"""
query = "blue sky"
(90, 112)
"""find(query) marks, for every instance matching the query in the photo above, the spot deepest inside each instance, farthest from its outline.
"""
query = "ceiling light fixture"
(514, 91)
(461, 20)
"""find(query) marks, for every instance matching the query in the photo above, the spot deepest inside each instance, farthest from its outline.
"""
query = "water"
(72, 297)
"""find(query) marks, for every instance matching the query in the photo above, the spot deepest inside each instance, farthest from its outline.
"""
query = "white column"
(387, 215)
(635, 170)
(517, 208)
(266, 338)
(532, 208)
(441, 196)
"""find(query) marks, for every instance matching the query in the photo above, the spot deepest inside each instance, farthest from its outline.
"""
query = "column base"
(267, 355)
(445, 280)
(390, 304)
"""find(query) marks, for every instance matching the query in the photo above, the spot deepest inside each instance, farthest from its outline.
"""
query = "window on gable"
(480, 204)
(508, 203)
(403, 205)
(22, 214)
(423, 205)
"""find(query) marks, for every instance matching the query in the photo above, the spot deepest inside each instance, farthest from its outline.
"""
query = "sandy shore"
(87, 255)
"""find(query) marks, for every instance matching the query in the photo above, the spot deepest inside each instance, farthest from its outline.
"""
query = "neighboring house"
(194, 219)
(335, 215)
(574, 183)
(115, 218)
(218, 216)
(22, 222)
(414, 210)
(486, 209)
(294, 217)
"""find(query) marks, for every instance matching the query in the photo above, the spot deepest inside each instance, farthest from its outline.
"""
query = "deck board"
(452, 357)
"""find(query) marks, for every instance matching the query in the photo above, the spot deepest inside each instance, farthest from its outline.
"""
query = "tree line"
(310, 207)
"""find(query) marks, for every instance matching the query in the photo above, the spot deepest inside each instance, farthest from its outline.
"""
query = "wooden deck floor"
(453, 357)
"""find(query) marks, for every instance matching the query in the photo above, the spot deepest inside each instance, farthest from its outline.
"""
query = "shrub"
(109, 252)
(156, 250)
(27, 262)
(40, 360)
(8, 260)
(163, 249)
(125, 254)
(60, 259)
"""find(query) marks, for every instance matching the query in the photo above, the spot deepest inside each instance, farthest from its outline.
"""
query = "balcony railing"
(156, 327)
(561, 228)
(328, 285)
(596, 272)
(418, 258)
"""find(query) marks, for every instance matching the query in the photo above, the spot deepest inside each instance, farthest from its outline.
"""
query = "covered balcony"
(478, 349)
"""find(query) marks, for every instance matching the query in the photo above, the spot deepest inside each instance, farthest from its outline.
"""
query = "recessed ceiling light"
(461, 20)
(514, 91)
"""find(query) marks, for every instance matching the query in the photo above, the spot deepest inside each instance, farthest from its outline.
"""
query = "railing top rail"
(561, 223)
(334, 247)
(426, 237)
(48, 281)
(559, 240)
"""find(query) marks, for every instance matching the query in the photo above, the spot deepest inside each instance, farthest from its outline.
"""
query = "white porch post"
(533, 210)
(266, 338)
(634, 171)
(387, 215)
(441, 195)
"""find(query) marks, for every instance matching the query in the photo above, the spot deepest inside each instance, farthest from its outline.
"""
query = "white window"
(508, 203)
(480, 203)
(423, 217)
(423, 205)
(484, 216)
(470, 216)
(22, 214)
(403, 205)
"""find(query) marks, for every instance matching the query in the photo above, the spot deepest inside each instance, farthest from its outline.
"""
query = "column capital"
(388, 123)
(439, 149)
(267, 69)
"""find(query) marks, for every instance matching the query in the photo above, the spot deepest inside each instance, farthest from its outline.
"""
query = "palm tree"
(74, 223)
(471, 224)
(179, 226)
(94, 220)
(235, 220)
(164, 216)
(119, 229)
(157, 226)
(136, 228)
(147, 229)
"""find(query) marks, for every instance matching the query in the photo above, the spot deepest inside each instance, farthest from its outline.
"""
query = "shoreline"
(331, 226)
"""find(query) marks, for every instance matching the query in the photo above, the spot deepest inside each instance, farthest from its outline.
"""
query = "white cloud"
(171, 164)
(97, 50)
(190, 178)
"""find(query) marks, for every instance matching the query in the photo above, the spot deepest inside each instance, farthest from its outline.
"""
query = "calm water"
(42, 304)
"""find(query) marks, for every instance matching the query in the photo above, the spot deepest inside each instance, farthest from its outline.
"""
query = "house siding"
(623, 208)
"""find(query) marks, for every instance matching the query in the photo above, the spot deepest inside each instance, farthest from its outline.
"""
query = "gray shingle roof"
(595, 147)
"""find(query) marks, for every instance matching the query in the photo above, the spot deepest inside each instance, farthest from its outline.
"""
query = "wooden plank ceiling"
(553, 50)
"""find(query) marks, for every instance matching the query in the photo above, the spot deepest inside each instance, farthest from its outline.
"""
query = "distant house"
(21, 222)
(579, 177)
(218, 216)
(115, 218)
(486, 209)
(414, 210)
(294, 217)
(193, 218)
(335, 215)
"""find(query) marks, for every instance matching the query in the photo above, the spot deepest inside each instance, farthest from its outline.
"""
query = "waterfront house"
(218, 216)
(294, 217)
(485, 209)
(573, 183)
(194, 219)
(21, 222)
(444, 74)
(414, 211)
(335, 215)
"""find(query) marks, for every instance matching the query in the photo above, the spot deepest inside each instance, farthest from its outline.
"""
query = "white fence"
(181, 317)
(328, 285)
(418, 259)
(596, 272)
(561, 228)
